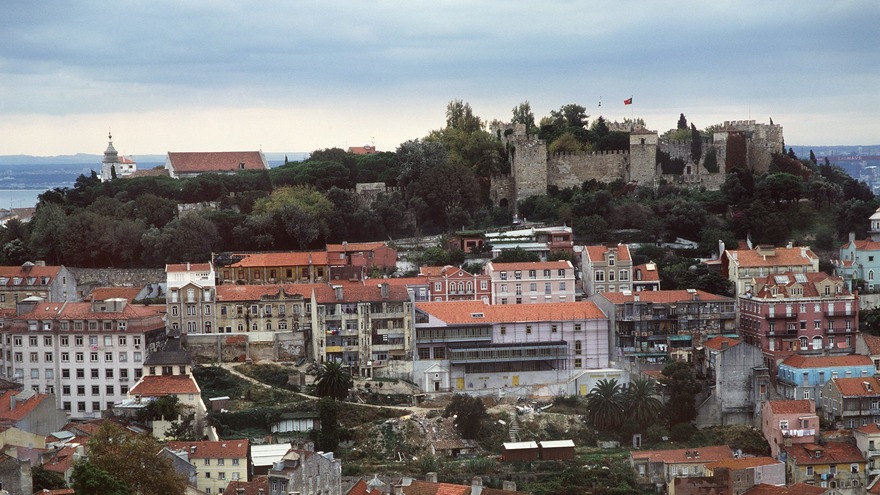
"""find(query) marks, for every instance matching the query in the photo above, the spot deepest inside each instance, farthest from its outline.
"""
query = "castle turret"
(642, 157)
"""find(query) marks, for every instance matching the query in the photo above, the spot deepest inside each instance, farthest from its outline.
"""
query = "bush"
(682, 432)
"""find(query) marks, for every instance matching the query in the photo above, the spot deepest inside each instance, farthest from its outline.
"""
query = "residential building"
(15, 475)
(296, 421)
(607, 269)
(182, 165)
(84, 354)
(181, 463)
(31, 412)
(807, 313)
(851, 402)
(859, 260)
(531, 282)
(540, 240)
(795, 489)
(50, 283)
(474, 347)
(742, 266)
(266, 309)
(868, 441)
(802, 377)
(739, 382)
(362, 488)
(259, 486)
(655, 325)
(264, 456)
(275, 267)
(645, 277)
(837, 465)
(869, 345)
(746, 472)
(307, 473)
(191, 292)
(658, 468)
(218, 462)
(368, 255)
(451, 283)
(788, 422)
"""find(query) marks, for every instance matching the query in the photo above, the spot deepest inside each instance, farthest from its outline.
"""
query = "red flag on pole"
(628, 101)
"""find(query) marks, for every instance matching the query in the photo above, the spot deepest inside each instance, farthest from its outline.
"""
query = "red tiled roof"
(743, 462)
(453, 312)
(418, 487)
(221, 449)
(866, 386)
(104, 293)
(158, 171)
(354, 246)
(648, 274)
(796, 489)
(36, 272)
(404, 281)
(661, 296)
(783, 286)
(361, 488)
(865, 245)
(783, 257)
(872, 342)
(288, 258)
(717, 342)
(529, 265)
(793, 406)
(597, 253)
(259, 486)
(188, 267)
(366, 291)
(832, 453)
(870, 429)
(799, 361)
(216, 161)
(83, 311)
(22, 408)
(61, 461)
(161, 385)
(676, 456)
(362, 150)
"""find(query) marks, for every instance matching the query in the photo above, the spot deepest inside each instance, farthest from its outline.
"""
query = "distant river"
(19, 198)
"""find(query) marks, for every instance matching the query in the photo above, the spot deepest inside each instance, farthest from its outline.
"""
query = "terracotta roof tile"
(743, 462)
(287, 258)
(832, 453)
(717, 342)
(650, 273)
(866, 386)
(188, 267)
(661, 296)
(259, 486)
(783, 285)
(37, 273)
(104, 293)
(221, 449)
(872, 428)
(354, 246)
(61, 461)
(597, 253)
(456, 312)
(418, 487)
(22, 408)
(675, 456)
(216, 161)
(799, 361)
(793, 406)
(361, 488)
(783, 257)
(872, 342)
(161, 385)
(796, 489)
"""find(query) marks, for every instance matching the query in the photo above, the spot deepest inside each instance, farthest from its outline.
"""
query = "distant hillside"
(95, 160)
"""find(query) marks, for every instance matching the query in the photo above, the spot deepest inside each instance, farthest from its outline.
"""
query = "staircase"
(514, 429)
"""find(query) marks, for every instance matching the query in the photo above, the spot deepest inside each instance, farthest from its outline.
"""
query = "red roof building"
(50, 283)
(219, 462)
(191, 164)
(788, 422)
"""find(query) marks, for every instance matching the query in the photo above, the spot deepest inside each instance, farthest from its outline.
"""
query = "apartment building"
(531, 282)
(218, 462)
(191, 292)
(50, 283)
(87, 354)
(742, 266)
(451, 283)
(607, 269)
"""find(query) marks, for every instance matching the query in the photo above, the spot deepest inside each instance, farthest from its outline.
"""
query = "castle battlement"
(589, 153)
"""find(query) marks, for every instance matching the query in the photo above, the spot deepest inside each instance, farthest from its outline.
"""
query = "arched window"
(470, 286)
(269, 326)
(804, 342)
(870, 274)
(817, 343)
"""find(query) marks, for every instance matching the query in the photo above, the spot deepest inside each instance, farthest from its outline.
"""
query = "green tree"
(641, 402)
(696, 144)
(88, 479)
(459, 115)
(522, 114)
(48, 231)
(468, 413)
(682, 387)
(682, 122)
(516, 255)
(415, 157)
(134, 460)
(46, 480)
(606, 405)
(333, 380)
(328, 437)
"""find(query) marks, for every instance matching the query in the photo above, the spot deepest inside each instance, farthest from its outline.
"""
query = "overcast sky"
(192, 75)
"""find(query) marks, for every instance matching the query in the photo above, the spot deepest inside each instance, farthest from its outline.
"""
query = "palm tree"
(605, 404)
(642, 404)
(332, 380)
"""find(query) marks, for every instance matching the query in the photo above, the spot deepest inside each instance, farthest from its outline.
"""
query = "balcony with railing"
(503, 353)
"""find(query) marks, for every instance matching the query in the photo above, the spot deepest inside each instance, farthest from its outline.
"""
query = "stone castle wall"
(572, 169)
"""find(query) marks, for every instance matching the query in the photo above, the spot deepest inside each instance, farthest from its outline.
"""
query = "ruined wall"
(529, 167)
(227, 348)
(572, 169)
(502, 188)
(117, 277)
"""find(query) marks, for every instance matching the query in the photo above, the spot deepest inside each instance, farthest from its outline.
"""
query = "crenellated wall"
(572, 169)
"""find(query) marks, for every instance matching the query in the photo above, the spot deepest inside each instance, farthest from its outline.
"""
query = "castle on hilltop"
(533, 168)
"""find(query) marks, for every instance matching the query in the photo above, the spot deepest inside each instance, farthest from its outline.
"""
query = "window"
(208, 463)
(553, 328)
(79, 357)
(65, 341)
(424, 353)
(93, 357)
(577, 327)
(65, 373)
(221, 462)
(111, 390)
(65, 357)
(47, 341)
(578, 363)
(108, 373)
(528, 329)
(80, 390)
(809, 470)
(96, 373)
(577, 346)
(65, 390)
(503, 329)
(600, 276)
(221, 475)
(96, 390)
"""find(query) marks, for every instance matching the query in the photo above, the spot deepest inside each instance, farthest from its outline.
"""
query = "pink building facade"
(788, 422)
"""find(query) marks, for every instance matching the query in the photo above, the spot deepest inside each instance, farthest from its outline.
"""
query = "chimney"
(431, 477)
(852, 236)
(188, 265)
(508, 486)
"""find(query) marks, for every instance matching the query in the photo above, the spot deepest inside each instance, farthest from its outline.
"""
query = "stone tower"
(528, 165)
(642, 157)
(110, 161)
